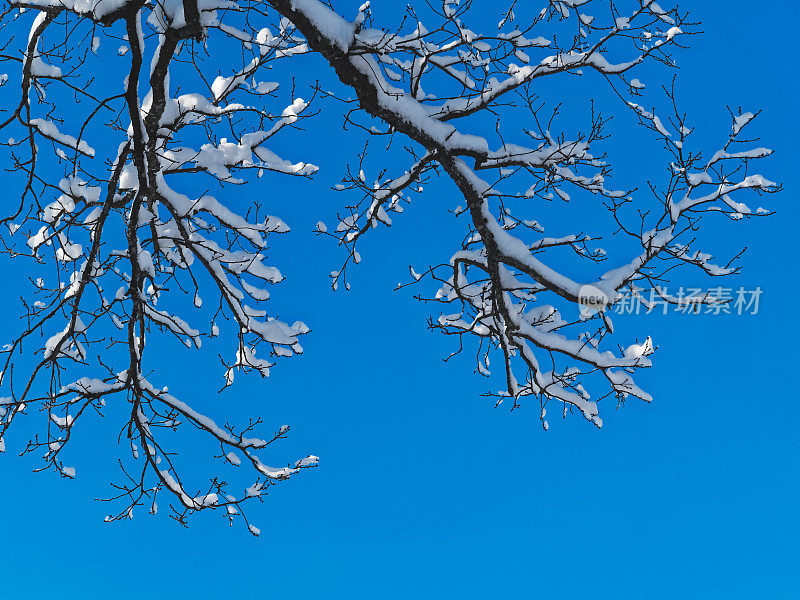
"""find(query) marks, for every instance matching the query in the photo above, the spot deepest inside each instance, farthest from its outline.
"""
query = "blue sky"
(424, 489)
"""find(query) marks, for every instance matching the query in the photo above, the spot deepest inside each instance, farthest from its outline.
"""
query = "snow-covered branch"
(119, 247)
(129, 253)
(423, 82)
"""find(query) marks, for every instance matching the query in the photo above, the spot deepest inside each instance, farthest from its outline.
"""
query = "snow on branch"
(425, 76)
(120, 250)
(128, 252)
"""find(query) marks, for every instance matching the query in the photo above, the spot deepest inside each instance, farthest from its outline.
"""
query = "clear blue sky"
(425, 490)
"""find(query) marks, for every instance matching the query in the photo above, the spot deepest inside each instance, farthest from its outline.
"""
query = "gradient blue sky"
(424, 489)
